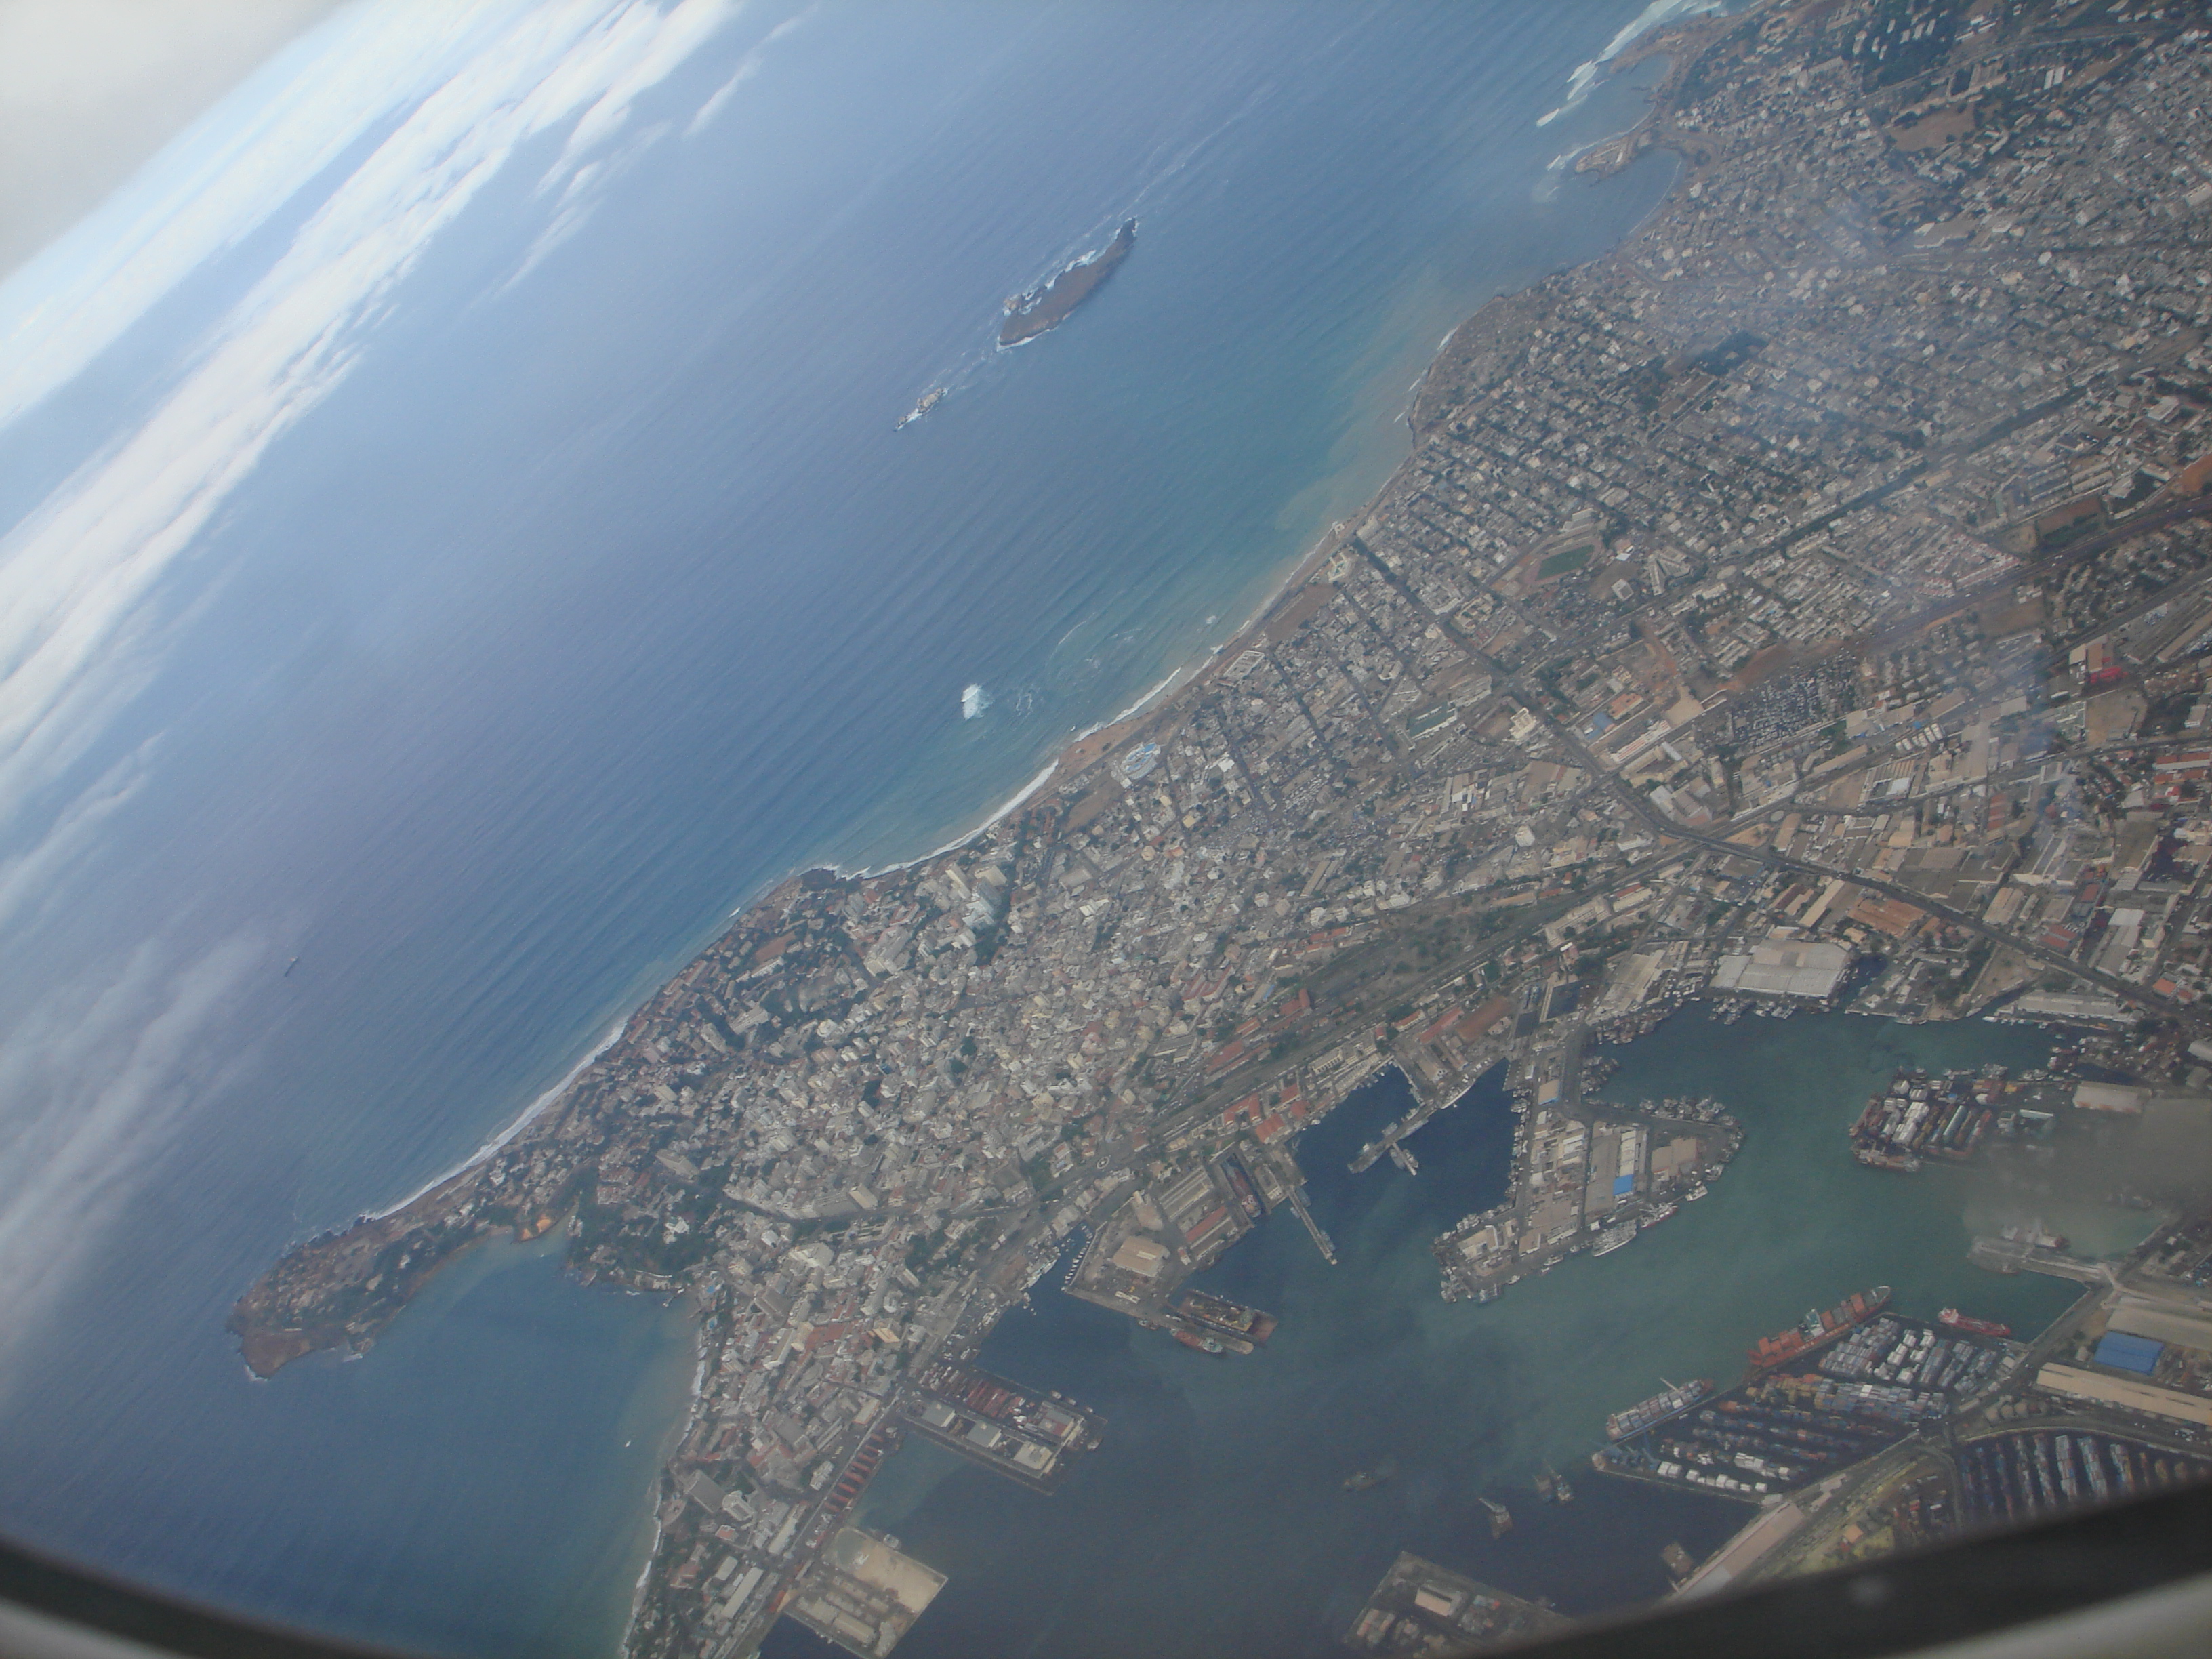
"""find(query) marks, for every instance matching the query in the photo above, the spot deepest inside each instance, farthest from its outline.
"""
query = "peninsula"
(1041, 309)
(1807, 602)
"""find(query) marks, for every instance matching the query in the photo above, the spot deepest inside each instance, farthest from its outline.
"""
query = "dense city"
(1805, 606)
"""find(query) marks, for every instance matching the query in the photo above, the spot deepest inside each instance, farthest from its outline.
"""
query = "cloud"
(105, 1071)
(90, 88)
(238, 165)
(82, 614)
(31, 881)
(748, 66)
(95, 1085)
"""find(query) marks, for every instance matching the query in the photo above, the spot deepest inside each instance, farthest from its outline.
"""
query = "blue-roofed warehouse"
(2123, 1353)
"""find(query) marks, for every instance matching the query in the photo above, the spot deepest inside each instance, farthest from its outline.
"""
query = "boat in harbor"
(1222, 1317)
(1817, 1330)
(1501, 1518)
(1875, 1159)
(928, 400)
(1951, 1320)
(1679, 1397)
(1200, 1341)
(1614, 1236)
(1367, 1480)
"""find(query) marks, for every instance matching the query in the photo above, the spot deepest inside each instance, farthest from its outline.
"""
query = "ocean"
(600, 594)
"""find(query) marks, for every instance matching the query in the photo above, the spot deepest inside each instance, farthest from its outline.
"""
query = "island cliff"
(1031, 314)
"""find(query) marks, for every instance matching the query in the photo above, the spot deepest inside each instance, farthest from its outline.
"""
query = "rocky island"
(1041, 309)
(1810, 600)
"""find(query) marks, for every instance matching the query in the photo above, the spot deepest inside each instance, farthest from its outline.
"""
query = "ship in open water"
(927, 401)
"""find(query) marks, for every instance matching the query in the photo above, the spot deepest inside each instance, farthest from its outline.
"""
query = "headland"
(1803, 604)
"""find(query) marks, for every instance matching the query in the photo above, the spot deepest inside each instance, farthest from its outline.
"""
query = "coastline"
(1668, 24)
(529, 1115)
(1082, 752)
(673, 1036)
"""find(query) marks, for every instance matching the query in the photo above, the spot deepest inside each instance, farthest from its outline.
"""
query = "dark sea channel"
(1212, 1520)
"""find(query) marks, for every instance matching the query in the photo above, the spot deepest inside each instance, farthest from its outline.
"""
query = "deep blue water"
(588, 606)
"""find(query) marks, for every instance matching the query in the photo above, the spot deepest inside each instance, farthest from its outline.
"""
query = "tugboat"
(1367, 1480)
(1501, 1518)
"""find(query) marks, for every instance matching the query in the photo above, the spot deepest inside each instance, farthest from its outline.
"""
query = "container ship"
(1224, 1317)
(1951, 1319)
(1818, 1330)
(1679, 1397)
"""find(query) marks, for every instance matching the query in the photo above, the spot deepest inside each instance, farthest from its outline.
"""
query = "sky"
(90, 89)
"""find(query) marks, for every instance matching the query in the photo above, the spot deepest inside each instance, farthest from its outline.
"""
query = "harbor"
(1030, 1438)
(1245, 1467)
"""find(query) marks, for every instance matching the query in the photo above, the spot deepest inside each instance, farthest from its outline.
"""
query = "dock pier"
(1319, 1238)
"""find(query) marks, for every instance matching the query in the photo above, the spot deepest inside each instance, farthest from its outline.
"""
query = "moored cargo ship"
(1679, 1397)
(1951, 1319)
(1902, 1163)
(1817, 1330)
(1228, 1318)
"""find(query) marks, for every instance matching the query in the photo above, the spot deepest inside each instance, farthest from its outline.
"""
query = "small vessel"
(1200, 1341)
(1902, 1163)
(1366, 1480)
(1614, 1236)
(1951, 1319)
(1548, 1484)
(1565, 1490)
(1679, 1397)
(1225, 1318)
(289, 967)
(1501, 1518)
(928, 400)
(1818, 1330)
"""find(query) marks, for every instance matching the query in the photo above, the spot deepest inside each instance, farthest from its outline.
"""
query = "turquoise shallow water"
(1211, 1520)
